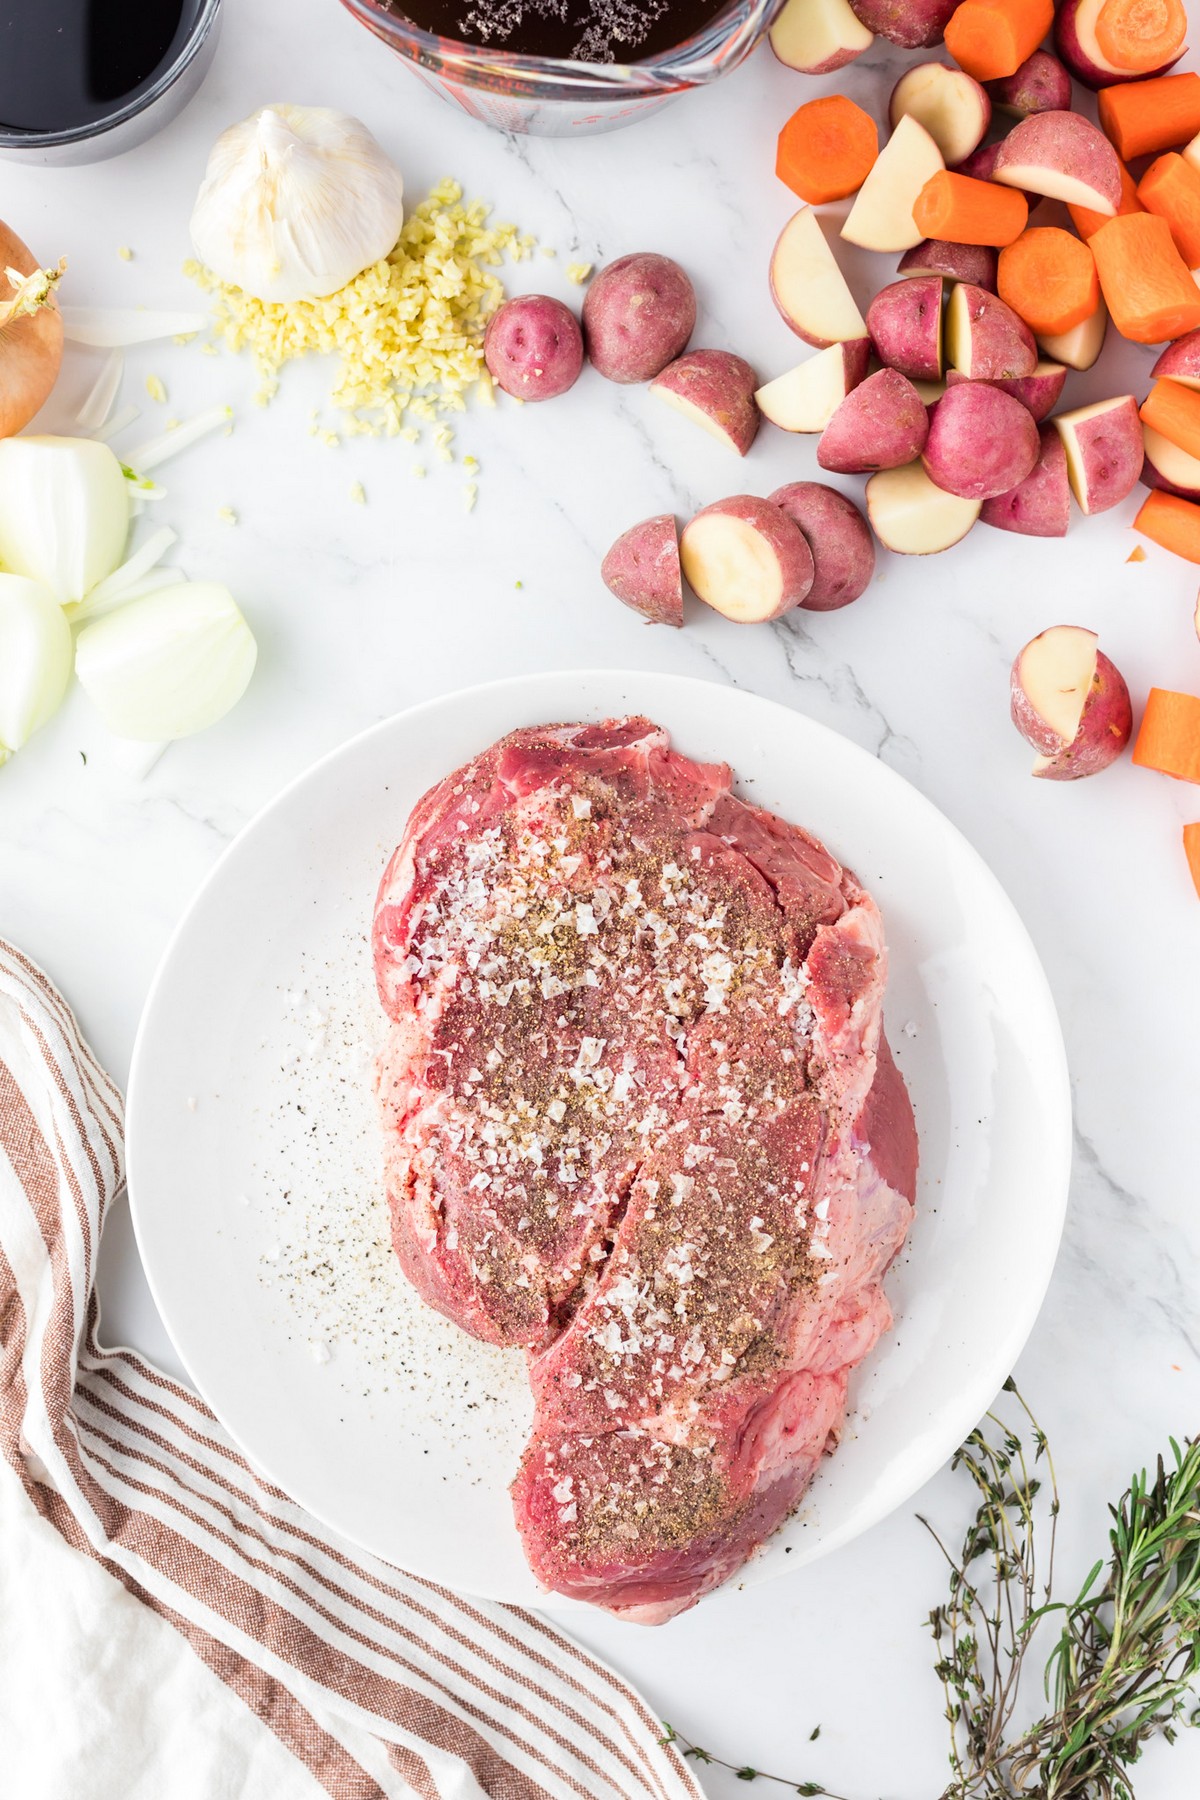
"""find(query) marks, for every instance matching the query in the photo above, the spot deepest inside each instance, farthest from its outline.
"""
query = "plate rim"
(975, 1399)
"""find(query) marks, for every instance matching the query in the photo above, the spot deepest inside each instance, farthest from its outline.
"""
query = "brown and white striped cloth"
(375, 1683)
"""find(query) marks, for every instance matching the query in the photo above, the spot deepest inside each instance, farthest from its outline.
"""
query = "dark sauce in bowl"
(597, 31)
(69, 64)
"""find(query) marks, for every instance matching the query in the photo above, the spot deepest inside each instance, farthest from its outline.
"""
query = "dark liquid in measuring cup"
(66, 64)
(601, 31)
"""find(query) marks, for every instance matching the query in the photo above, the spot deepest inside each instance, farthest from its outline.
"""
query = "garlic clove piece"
(296, 201)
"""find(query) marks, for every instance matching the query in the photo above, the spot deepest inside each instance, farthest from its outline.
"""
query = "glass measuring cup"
(554, 98)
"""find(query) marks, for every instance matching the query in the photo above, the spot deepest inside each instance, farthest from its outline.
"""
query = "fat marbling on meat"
(641, 1122)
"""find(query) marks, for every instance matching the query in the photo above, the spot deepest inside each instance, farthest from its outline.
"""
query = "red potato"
(1041, 84)
(912, 516)
(985, 340)
(642, 570)
(840, 540)
(1080, 347)
(746, 559)
(1039, 393)
(981, 442)
(881, 425)
(1039, 506)
(1104, 449)
(533, 347)
(950, 104)
(975, 264)
(818, 36)
(882, 215)
(806, 398)
(638, 315)
(1075, 40)
(1180, 361)
(905, 323)
(913, 24)
(715, 389)
(1070, 703)
(1168, 467)
(1063, 156)
(808, 287)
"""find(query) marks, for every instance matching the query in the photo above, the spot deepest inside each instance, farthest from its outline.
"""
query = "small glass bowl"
(551, 98)
(135, 121)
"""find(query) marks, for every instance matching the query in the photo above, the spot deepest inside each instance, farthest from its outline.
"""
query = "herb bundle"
(1126, 1658)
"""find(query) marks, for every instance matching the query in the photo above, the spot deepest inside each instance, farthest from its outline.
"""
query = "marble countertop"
(362, 610)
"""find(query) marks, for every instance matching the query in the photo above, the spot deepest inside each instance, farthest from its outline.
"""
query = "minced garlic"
(408, 332)
(578, 272)
(155, 389)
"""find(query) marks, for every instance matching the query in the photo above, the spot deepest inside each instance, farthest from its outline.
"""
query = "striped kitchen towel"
(316, 1668)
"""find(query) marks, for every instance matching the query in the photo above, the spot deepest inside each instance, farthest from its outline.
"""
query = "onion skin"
(31, 347)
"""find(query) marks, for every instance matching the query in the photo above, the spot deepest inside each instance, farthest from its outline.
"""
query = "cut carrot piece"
(1087, 224)
(1141, 35)
(1191, 849)
(959, 209)
(1049, 279)
(1147, 286)
(1143, 117)
(1171, 188)
(827, 149)
(1172, 523)
(1174, 411)
(1168, 738)
(991, 38)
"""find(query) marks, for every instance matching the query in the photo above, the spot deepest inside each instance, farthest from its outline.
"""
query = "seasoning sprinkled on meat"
(635, 1038)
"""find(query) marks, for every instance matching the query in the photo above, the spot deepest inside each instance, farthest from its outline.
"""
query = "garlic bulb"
(296, 201)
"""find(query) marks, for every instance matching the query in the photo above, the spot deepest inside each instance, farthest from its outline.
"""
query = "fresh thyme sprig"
(743, 1771)
(1126, 1662)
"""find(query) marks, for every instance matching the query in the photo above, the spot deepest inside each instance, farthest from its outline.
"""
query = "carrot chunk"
(1171, 188)
(1173, 523)
(1168, 738)
(1191, 849)
(1087, 224)
(827, 149)
(1143, 117)
(1049, 278)
(960, 209)
(1147, 286)
(1141, 35)
(992, 38)
(1174, 412)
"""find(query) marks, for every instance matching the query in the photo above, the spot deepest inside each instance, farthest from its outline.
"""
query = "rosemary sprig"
(1126, 1663)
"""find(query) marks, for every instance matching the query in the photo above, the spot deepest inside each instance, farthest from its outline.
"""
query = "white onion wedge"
(157, 449)
(167, 665)
(115, 588)
(116, 327)
(64, 512)
(98, 406)
(35, 660)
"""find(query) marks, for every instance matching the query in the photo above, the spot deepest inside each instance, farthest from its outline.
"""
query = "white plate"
(253, 1159)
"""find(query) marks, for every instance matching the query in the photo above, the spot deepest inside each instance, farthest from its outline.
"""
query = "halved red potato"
(981, 442)
(746, 559)
(913, 24)
(1041, 84)
(1039, 506)
(642, 570)
(881, 425)
(808, 287)
(1039, 392)
(715, 389)
(806, 398)
(949, 103)
(818, 36)
(985, 339)
(1063, 156)
(1168, 467)
(839, 538)
(1070, 703)
(973, 263)
(905, 323)
(1104, 450)
(1180, 361)
(913, 516)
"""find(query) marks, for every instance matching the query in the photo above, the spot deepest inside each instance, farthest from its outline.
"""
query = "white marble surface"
(363, 610)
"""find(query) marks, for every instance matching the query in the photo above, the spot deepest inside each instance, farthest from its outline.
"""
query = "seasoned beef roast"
(641, 1122)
